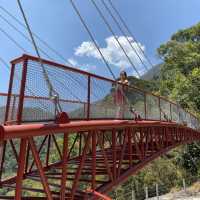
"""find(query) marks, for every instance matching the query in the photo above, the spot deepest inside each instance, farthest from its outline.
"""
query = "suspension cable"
(12, 39)
(129, 31)
(52, 93)
(92, 38)
(24, 50)
(96, 45)
(36, 35)
(123, 32)
(42, 50)
(116, 38)
(23, 35)
(5, 64)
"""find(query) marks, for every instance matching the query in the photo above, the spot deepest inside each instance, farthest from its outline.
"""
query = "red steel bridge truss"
(87, 149)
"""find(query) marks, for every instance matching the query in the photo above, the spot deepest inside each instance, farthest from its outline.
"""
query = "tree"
(180, 80)
(180, 73)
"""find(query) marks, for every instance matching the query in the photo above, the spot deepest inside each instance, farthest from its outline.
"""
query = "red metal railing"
(84, 96)
(13, 107)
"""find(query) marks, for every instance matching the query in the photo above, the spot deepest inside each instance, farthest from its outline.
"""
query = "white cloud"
(113, 53)
(85, 67)
(72, 62)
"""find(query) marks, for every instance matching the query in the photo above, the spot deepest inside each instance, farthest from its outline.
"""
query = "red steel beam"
(78, 173)
(22, 92)
(9, 93)
(21, 169)
(135, 169)
(40, 168)
(114, 154)
(64, 166)
(94, 144)
(20, 131)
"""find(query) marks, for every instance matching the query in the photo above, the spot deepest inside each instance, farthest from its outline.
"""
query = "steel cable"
(92, 38)
(52, 93)
(123, 32)
(128, 30)
(116, 38)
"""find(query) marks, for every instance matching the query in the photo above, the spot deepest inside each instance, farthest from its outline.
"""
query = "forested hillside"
(179, 80)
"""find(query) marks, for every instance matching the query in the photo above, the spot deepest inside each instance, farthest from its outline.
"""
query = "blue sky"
(152, 23)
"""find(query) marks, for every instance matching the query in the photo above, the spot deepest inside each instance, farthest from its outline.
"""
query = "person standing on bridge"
(120, 96)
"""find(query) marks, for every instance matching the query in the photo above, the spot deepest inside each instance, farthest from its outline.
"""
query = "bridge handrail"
(151, 104)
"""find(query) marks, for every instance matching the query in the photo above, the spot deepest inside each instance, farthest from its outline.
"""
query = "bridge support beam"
(40, 169)
(64, 167)
(21, 169)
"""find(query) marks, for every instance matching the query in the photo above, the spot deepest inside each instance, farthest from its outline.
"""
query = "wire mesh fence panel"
(152, 104)
(136, 101)
(83, 96)
(165, 110)
(3, 100)
(70, 87)
(114, 100)
(175, 113)
(193, 123)
(196, 123)
(103, 103)
(182, 116)
(15, 91)
(188, 120)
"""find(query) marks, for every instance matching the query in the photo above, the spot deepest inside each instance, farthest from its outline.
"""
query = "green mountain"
(153, 73)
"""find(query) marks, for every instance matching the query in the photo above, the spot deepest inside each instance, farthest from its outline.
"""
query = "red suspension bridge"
(95, 148)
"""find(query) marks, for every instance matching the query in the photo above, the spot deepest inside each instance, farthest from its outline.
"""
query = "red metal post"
(78, 173)
(13, 108)
(64, 167)
(94, 141)
(27, 158)
(114, 154)
(89, 96)
(102, 140)
(48, 150)
(159, 105)
(145, 105)
(2, 158)
(57, 147)
(1, 154)
(130, 148)
(9, 92)
(147, 130)
(22, 91)
(80, 144)
(122, 152)
(21, 169)
(171, 112)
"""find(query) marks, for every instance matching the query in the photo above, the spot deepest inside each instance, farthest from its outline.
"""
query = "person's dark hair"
(123, 73)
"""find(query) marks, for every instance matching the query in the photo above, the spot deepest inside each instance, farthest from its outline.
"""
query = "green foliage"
(189, 159)
(180, 73)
